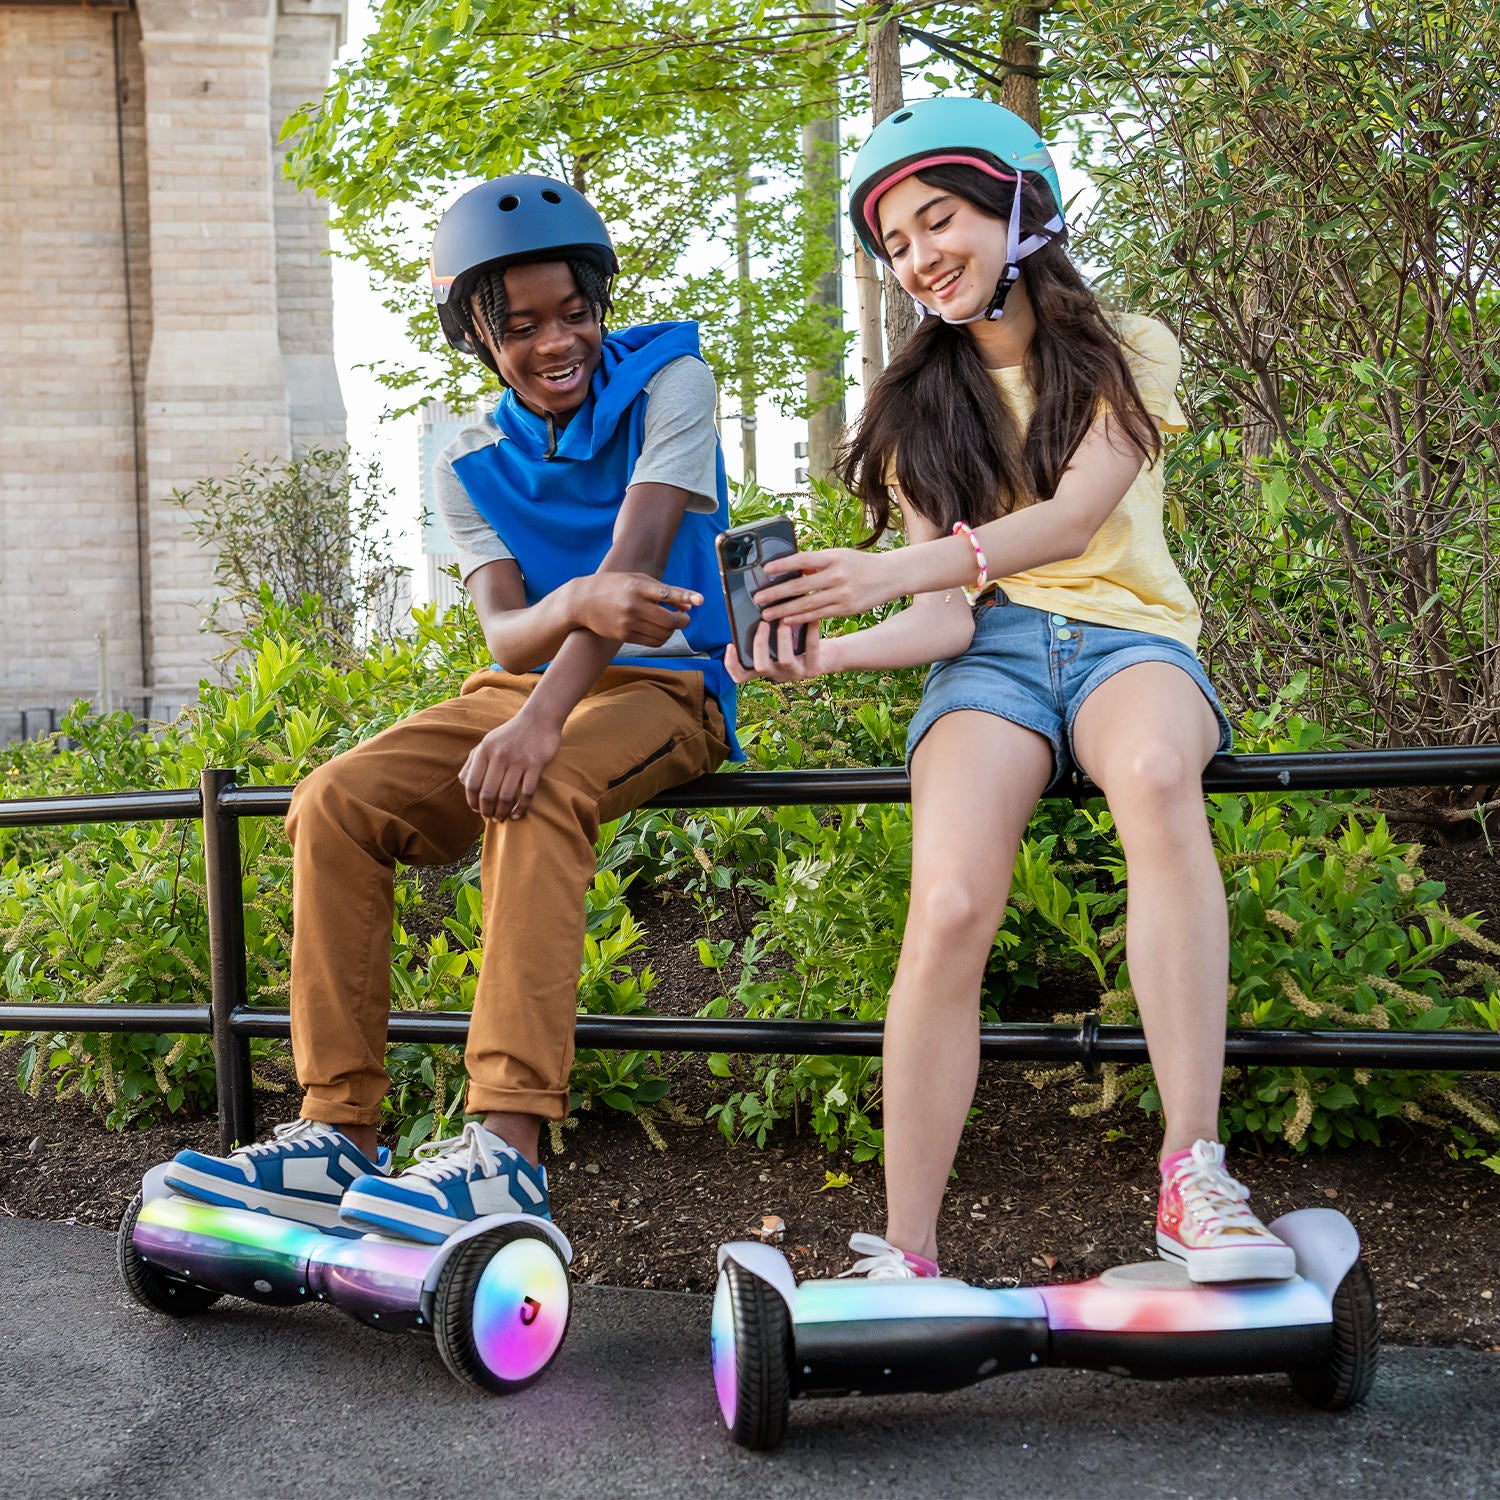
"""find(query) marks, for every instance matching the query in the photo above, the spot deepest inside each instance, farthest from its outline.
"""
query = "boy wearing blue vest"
(584, 511)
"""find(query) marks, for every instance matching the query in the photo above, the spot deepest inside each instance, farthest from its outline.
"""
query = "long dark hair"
(935, 420)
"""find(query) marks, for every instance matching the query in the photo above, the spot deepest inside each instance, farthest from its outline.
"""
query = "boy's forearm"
(572, 672)
(521, 639)
(644, 533)
(580, 656)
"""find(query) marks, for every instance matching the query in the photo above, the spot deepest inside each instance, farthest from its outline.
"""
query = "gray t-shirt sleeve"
(681, 442)
(475, 541)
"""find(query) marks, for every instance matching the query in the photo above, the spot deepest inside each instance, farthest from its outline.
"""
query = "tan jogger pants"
(397, 797)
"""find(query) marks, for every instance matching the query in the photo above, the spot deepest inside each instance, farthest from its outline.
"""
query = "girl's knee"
(1154, 776)
(950, 915)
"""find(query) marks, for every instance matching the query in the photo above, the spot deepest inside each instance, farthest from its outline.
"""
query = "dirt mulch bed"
(1038, 1195)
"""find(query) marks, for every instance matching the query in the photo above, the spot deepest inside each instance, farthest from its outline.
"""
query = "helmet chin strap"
(1016, 250)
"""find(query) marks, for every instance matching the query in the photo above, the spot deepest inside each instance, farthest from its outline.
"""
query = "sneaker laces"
(881, 1260)
(465, 1155)
(295, 1133)
(1214, 1199)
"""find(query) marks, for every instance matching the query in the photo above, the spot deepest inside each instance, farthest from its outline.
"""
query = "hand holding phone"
(743, 553)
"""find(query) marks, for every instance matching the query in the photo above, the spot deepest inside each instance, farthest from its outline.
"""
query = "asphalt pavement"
(102, 1398)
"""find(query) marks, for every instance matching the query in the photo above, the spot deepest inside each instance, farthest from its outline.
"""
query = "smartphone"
(743, 553)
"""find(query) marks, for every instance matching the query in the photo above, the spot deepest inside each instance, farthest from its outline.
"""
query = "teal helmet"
(932, 132)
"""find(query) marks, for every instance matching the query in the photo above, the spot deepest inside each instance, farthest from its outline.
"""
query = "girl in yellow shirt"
(1019, 433)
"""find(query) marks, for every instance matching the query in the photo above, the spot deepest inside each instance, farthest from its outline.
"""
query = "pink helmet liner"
(911, 168)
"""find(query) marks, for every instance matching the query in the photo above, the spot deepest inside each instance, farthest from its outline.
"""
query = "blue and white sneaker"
(301, 1173)
(451, 1183)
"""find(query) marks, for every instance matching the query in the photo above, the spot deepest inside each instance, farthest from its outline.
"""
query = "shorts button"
(1059, 619)
(1065, 635)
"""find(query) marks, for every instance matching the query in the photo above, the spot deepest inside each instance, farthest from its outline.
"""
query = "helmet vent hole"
(509, 202)
(902, 118)
(548, 196)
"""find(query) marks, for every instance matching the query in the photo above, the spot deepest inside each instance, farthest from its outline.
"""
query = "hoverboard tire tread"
(150, 1287)
(1344, 1378)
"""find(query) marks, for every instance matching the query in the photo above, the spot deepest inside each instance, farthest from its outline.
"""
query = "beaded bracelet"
(972, 595)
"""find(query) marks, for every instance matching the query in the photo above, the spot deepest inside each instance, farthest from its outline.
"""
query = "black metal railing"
(231, 1020)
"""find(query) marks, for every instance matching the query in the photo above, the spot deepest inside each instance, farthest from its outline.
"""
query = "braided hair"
(487, 301)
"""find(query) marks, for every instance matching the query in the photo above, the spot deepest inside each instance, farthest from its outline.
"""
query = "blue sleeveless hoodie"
(557, 514)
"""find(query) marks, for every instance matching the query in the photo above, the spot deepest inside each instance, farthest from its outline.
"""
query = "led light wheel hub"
(495, 1293)
(501, 1308)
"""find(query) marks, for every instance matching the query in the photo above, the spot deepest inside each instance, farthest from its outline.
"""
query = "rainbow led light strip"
(1099, 1307)
(520, 1308)
(1085, 1305)
(721, 1351)
(246, 1253)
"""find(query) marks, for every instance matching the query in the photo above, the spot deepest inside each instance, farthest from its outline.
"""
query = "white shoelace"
(1214, 1199)
(881, 1260)
(465, 1155)
(293, 1133)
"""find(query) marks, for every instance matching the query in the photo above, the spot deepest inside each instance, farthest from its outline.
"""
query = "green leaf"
(1338, 1096)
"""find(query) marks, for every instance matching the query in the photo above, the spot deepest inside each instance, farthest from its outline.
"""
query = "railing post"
(224, 880)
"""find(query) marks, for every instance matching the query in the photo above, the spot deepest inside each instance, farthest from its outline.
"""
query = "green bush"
(1331, 925)
(1303, 193)
(115, 912)
(1332, 922)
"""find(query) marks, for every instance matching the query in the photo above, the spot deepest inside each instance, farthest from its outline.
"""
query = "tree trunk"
(871, 344)
(1258, 423)
(1019, 92)
(883, 67)
(744, 351)
(825, 382)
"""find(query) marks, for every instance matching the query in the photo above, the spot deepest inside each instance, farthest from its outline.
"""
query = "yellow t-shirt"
(1126, 576)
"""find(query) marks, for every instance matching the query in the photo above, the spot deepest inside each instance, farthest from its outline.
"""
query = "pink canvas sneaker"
(1202, 1222)
(882, 1261)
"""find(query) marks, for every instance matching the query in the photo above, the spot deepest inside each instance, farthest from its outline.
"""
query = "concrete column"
(215, 384)
(308, 36)
(74, 301)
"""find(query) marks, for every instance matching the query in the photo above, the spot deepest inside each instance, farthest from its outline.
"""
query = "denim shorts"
(1035, 669)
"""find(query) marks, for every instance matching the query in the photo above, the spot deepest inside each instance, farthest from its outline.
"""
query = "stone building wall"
(69, 549)
(304, 275)
(142, 205)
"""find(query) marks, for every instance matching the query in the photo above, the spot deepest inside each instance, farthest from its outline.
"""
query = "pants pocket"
(660, 753)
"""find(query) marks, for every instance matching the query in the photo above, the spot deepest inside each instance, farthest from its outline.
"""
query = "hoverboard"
(774, 1339)
(494, 1294)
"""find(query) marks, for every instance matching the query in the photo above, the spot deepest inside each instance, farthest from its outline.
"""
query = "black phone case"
(743, 553)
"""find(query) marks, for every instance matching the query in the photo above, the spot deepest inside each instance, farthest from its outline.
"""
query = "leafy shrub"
(1331, 925)
(1324, 906)
(296, 530)
(1332, 922)
(116, 912)
(1294, 188)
